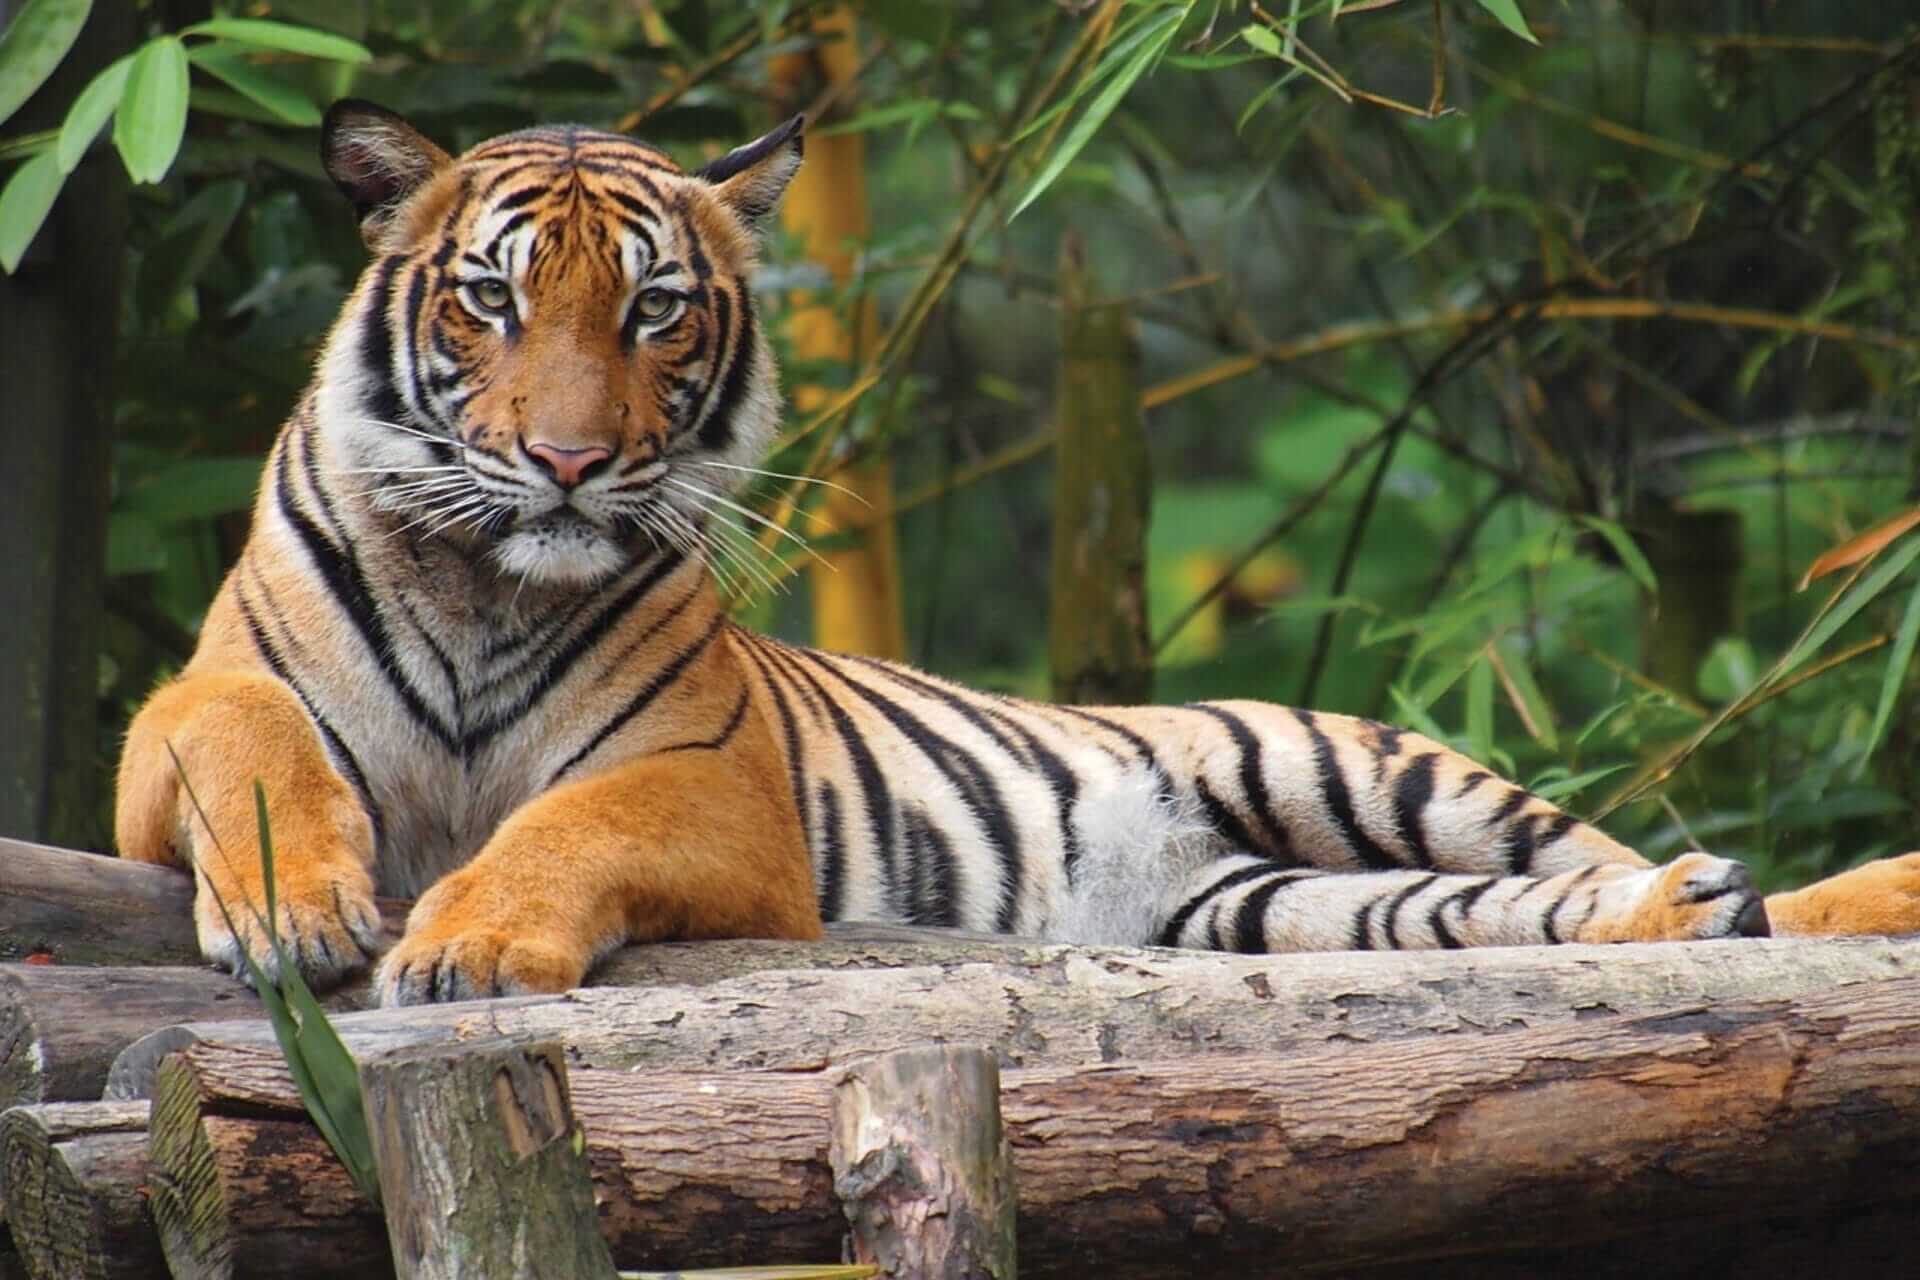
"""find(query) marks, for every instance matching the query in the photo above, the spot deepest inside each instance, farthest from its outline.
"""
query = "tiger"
(474, 653)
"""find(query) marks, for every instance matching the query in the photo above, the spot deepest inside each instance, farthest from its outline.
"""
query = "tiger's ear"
(750, 179)
(377, 159)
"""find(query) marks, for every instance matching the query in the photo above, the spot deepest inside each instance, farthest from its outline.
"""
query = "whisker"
(750, 514)
(780, 475)
(413, 431)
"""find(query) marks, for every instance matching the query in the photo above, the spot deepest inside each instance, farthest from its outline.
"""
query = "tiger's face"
(553, 359)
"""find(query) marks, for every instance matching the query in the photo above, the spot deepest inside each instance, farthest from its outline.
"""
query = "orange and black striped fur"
(475, 653)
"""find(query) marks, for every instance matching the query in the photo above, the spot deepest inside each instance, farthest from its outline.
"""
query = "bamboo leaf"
(1843, 610)
(1160, 34)
(1566, 788)
(1629, 552)
(24, 204)
(1523, 692)
(152, 118)
(285, 101)
(1862, 546)
(89, 113)
(1507, 14)
(1480, 708)
(283, 36)
(33, 45)
(1895, 678)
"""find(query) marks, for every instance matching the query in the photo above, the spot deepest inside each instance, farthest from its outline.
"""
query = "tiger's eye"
(656, 304)
(492, 294)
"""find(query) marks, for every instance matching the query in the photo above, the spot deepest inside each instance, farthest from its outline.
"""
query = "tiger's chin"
(560, 551)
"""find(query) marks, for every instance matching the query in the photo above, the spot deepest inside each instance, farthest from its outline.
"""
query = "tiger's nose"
(569, 467)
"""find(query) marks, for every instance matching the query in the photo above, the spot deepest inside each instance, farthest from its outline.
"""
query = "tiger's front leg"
(227, 729)
(697, 843)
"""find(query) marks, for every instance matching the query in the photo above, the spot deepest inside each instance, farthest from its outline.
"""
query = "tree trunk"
(921, 1166)
(1540, 1139)
(57, 319)
(856, 589)
(1101, 494)
(481, 1168)
(1060, 1005)
(72, 1178)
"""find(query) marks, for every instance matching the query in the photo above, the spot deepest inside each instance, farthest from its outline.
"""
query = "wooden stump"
(482, 1170)
(74, 1187)
(920, 1164)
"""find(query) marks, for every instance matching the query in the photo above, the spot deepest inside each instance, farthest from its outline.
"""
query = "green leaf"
(1895, 678)
(1850, 603)
(1531, 702)
(1728, 670)
(153, 111)
(1566, 788)
(89, 112)
(1159, 35)
(286, 101)
(33, 44)
(1507, 13)
(24, 205)
(1262, 39)
(197, 488)
(282, 36)
(1480, 709)
(1624, 546)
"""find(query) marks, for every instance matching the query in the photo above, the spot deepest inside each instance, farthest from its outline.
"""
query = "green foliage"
(33, 44)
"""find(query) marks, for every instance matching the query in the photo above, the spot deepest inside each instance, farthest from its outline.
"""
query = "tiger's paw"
(1879, 897)
(475, 965)
(470, 938)
(326, 920)
(1695, 896)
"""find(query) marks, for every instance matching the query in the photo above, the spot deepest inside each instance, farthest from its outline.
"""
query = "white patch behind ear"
(376, 159)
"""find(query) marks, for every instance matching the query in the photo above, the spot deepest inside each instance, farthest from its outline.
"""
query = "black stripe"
(874, 793)
(662, 680)
(1362, 939)
(524, 196)
(1223, 819)
(1518, 843)
(722, 350)
(344, 580)
(974, 783)
(1436, 922)
(833, 853)
(1400, 900)
(1472, 780)
(720, 739)
(831, 863)
(1508, 807)
(1250, 922)
(376, 344)
(336, 746)
(1339, 800)
(1412, 791)
(1061, 780)
(1466, 898)
(1555, 832)
(1253, 779)
(929, 871)
(577, 647)
(1169, 935)
(1546, 921)
(716, 433)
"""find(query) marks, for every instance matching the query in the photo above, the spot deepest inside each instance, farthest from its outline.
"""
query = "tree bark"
(71, 1179)
(1542, 1139)
(921, 1166)
(1060, 1005)
(482, 1171)
(77, 908)
(57, 322)
(1097, 627)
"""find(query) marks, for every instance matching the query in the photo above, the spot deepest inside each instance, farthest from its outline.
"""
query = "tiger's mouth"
(562, 546)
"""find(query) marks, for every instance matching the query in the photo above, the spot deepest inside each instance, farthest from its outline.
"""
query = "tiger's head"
(552, 358)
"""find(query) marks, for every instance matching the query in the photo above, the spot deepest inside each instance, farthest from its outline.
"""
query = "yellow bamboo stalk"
(856, 588)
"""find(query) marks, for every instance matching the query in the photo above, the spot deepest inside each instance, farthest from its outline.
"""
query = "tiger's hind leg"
(1247, 903)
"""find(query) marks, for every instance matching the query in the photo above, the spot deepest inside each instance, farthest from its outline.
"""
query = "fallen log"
(1332, 1158)
(73, 1183)
(79, 908)
(1055, 1004)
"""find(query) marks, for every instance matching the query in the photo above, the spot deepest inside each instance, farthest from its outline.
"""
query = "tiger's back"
(474, 650)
